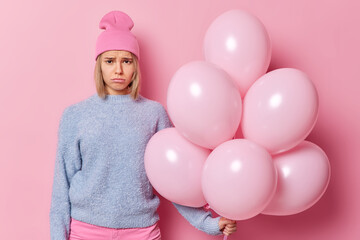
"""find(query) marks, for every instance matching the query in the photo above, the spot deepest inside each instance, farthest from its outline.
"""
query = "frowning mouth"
(118, 80)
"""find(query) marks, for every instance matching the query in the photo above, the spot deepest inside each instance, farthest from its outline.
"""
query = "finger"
(222, 223)
(230, 226)
(228, 233)
(230, 229)
(227, 221)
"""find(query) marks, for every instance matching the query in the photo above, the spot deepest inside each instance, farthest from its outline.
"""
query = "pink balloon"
(303, 176)
(238, 42)
(174, 166)
(204, 104)
(239, 179)
(280, 109)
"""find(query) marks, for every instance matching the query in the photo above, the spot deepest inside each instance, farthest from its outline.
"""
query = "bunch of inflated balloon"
(273, 170)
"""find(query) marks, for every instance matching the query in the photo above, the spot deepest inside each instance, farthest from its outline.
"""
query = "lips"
(118, 80)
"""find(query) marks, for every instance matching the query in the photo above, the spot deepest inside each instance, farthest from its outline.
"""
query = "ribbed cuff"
(212, 226)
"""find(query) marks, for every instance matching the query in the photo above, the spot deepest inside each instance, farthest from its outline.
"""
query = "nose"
(118, 69)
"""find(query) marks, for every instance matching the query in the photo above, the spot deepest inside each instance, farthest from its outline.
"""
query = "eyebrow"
(128, 58)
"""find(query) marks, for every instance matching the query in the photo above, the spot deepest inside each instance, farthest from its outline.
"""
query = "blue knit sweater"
(99, 175)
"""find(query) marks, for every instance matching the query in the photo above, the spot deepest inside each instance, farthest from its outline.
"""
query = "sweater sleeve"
(200, 219)
(67, 163)
(164, 120)
(197, 217)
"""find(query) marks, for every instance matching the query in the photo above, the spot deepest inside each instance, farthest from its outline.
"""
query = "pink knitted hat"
(117, 35)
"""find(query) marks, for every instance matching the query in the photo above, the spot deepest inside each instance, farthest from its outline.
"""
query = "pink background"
(47, 60)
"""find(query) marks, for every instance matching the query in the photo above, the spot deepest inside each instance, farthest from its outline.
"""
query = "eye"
(127, 61)
(108, 61)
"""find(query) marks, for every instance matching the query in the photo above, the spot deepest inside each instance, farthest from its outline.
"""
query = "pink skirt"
(84, 231)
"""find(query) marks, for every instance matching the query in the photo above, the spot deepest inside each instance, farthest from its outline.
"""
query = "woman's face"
(117, 70)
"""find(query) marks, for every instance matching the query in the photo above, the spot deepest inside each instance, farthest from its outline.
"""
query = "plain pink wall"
(47, 60)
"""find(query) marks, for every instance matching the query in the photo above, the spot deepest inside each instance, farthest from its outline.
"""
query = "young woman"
(100, 188)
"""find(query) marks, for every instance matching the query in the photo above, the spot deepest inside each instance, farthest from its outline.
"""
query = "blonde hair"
(134, 84)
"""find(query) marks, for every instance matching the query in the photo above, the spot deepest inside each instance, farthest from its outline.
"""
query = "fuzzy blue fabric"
(99, 175)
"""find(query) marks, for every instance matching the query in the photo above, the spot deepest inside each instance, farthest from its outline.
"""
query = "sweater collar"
(113, 99)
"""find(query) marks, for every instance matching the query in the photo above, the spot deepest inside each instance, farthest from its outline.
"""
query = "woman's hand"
(227, 226)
